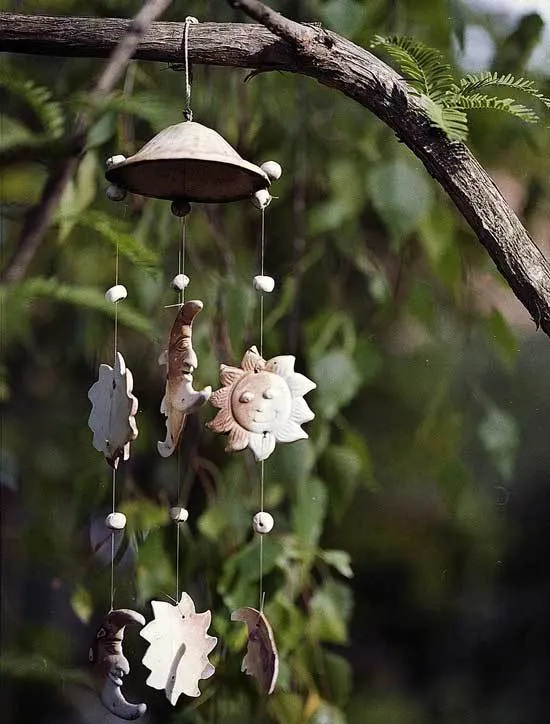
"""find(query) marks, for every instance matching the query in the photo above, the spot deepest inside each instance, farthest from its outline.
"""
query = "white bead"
(263, 522)
(115, 193)
(116, 294)
(261, 199)
(115, 521)
(264, 284)
(179, 207)
(272, 169)
(179, 514)
(179, 282)
(115, 160)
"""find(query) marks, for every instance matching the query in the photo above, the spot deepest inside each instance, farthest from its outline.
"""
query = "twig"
(39, 217)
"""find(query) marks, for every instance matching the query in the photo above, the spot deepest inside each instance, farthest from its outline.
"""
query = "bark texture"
(336, 63)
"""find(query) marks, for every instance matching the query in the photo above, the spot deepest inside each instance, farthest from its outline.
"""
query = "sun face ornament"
(261, 403)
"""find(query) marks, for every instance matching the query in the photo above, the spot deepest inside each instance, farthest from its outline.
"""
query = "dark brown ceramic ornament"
(188, 161)
(110, 664)
(261, 660)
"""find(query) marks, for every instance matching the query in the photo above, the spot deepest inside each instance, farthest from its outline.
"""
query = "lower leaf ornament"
(261, 659)
(113, 409)
(111, 665)
(179, 648)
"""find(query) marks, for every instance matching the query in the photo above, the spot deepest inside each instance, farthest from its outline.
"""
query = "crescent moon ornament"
(261, 660)
(180, 399)
(110, 664)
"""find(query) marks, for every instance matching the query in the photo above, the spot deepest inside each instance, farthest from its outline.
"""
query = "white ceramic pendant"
(113, 408)
(179, 646)
(261, 403)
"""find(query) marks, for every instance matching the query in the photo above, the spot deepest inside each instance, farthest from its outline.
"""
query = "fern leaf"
(481, 101)
(26, 292)
(424, 68)
(471, 84)
(452, 121)
(47, 111)
(116, 233)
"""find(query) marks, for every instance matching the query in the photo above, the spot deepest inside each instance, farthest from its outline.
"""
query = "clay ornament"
(113, 408)
(180, 399)
(179, 648)
(110, 664)
(261, 403)
(261, 660)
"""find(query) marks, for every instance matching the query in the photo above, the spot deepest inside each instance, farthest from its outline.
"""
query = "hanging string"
(187, 113)
(262, 469)
(181, 270)
(113, 479)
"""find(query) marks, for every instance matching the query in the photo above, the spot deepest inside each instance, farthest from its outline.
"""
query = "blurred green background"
(407, 577)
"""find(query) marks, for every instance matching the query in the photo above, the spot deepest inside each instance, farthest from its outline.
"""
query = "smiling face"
(261, 402)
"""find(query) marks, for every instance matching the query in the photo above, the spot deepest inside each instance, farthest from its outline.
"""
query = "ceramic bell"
(188, 161)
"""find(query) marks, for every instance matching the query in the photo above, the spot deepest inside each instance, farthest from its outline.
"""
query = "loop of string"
(187, 113)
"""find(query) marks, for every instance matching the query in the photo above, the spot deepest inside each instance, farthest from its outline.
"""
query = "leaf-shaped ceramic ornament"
(179, 646)
(113, 408)
(261, 659)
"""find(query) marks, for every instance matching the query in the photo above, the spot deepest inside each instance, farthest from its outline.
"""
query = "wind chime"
(259, 404)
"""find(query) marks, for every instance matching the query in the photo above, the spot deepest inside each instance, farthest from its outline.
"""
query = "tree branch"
(336, 63)
(38, 219)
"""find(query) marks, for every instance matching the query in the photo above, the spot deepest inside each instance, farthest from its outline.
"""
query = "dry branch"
(337, 63)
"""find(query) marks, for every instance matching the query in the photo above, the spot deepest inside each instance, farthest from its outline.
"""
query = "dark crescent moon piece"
(261, 660)
(111, 665)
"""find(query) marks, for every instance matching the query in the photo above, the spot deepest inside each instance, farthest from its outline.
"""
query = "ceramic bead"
(263, 522)
(115, 160)
(264, 284)
(115, 193)
(272, 169)
(261, 199)
(180, 282)
(180, 207)
(179, 514)
(115, 521)
(116, 294)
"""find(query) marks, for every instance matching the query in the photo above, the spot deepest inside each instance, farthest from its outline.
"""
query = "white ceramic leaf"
(113, 408)
(179, 646)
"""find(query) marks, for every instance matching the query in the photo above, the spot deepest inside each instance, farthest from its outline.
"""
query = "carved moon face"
(261, 402)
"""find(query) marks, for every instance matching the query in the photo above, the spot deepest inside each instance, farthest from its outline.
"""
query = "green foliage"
(39, 100)
(430, 76)
(385, 512)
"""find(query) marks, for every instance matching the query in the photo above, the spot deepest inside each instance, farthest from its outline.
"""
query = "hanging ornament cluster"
(259, 404)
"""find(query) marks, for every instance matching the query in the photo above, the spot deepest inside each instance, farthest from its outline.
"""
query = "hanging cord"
(262, 469)
(181, 270)
(187, 113)
(113, 481)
